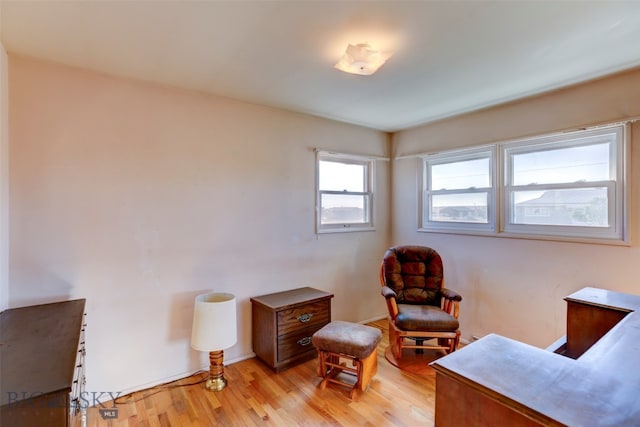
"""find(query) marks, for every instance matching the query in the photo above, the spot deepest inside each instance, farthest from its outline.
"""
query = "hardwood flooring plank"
(256, 396)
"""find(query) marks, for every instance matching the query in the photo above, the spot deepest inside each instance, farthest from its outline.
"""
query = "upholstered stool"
(339, 343)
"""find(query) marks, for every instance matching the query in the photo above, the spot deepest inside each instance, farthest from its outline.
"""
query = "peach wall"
(515, 287)
(139, 197)
(4, 180)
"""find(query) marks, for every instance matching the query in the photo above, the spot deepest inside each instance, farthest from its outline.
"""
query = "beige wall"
(139, 197)
(515, 287)
(4, 176)
(4, 180)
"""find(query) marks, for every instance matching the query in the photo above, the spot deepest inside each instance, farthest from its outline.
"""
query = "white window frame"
(500, 209)
(615, 185)
(427, 193)
(368, 193)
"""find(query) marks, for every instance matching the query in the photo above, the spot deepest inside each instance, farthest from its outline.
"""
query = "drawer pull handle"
(304, 341)
(305, 317)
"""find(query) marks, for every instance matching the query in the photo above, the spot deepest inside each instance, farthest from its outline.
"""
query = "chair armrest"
(451, 295)
(387, 292)
(451, 301)
(390, 298)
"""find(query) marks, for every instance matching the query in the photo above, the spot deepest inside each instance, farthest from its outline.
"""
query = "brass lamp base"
(216, 380)
(215, 384)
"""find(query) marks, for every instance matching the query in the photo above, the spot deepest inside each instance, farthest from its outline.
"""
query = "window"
(459, 190)
(568, 186)
(345, 193)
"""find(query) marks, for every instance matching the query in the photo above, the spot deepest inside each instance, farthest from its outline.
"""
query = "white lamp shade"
(214, 322)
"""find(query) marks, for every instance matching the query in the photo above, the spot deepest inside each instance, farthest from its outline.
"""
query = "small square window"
(344, 193)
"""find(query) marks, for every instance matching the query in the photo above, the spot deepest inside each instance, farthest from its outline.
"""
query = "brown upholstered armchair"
(420, 308)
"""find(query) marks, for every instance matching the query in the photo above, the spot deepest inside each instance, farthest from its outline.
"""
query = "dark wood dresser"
(283, 323)
(42, 365)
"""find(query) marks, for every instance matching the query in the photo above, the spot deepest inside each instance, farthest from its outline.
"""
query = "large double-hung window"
(565, 186)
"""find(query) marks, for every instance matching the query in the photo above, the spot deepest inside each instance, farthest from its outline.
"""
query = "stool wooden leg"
(321, 364)
(369, 369)
(359, 380)
(330, 366)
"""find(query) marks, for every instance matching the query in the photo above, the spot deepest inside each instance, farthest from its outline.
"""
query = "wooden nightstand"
(283, 323)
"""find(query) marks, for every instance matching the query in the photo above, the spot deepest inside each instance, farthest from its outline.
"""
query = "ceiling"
(449, 57)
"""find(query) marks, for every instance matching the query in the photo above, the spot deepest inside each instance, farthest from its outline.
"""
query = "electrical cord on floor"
(159, 388)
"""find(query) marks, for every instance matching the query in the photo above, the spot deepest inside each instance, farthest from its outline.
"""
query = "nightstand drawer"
(282, 325)
(303, 316)
(296, 343)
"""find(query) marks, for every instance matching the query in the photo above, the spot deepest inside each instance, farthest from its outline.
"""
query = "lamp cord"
(157, 389)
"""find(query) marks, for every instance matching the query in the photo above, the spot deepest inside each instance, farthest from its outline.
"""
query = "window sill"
(551, 238)
(351, 229)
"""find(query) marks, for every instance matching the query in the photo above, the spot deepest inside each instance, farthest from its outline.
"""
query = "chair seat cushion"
(347, 338)
(425, 318)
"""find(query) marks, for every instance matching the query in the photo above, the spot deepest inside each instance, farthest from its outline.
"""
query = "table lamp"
(214, 329)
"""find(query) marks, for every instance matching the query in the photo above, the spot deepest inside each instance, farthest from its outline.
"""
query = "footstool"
(340, 342)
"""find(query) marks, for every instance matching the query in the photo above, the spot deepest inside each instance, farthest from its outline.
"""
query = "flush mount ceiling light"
(361, 59)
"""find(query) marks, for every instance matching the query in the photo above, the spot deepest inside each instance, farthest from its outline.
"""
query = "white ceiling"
(449, 57)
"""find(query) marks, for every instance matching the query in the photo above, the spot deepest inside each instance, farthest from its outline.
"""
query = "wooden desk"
(499, 381)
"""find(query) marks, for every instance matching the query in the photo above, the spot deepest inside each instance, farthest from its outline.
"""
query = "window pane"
(470, 207)
(585, 207)
(461, 175)
(573, 164)
(337, 176)
(343, 209)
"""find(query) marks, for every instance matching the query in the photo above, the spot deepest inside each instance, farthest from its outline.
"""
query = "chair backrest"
(415, 273)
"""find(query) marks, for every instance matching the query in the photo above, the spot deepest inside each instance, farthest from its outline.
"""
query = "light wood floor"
(256, 396)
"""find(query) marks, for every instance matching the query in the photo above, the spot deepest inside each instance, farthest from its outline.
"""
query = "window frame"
(427, 193)
(369, 192)
(615, 185)
(503, 208)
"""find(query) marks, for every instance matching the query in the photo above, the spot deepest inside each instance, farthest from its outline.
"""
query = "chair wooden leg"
(398, 346)
(395, 341)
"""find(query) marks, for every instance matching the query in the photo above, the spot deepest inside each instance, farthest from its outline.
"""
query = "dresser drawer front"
(303, 316)
(296, 343)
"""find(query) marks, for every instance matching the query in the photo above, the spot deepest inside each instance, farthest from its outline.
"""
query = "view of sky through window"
(460, 175)
(338, 176)
(573, 164)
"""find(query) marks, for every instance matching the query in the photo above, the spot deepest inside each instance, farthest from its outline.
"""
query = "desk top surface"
(600, 388)
(38, 346)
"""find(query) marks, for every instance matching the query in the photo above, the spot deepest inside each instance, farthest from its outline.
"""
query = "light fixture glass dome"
(361, 59)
